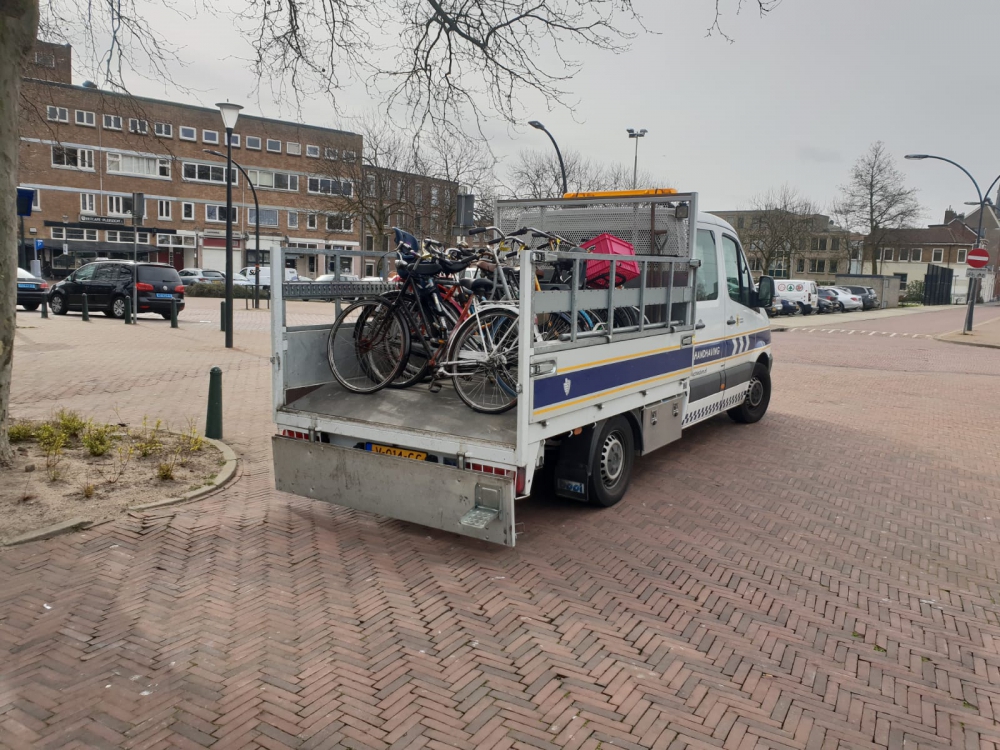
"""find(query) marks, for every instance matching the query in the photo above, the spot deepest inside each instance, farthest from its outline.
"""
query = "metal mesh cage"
(650, 225)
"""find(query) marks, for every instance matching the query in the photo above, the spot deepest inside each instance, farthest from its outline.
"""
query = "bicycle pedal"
(435, 386)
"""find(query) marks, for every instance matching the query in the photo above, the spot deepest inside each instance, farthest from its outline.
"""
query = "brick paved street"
(825, 579)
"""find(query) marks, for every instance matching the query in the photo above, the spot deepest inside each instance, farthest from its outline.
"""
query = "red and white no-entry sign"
(978, 258)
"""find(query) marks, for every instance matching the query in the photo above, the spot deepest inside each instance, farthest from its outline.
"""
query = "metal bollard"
(173, 312)
(222, 318)
(213, 420)
(128, 312)
(86, 308)
(45, 307)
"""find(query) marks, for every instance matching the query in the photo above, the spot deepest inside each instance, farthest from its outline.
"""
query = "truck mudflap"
(439, 496)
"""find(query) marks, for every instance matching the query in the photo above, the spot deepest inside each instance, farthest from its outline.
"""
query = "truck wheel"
(758, 397)
(611, 462)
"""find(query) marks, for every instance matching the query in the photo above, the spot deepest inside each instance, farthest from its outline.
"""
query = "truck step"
(479, 517)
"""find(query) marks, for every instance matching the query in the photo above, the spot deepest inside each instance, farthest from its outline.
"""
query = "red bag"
(597, 270)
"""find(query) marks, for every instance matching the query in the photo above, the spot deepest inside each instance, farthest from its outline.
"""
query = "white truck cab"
(695, 343)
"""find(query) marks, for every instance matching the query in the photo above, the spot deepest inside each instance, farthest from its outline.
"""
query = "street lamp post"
(230, 113)
(636, 134)
(562, 166)
(256, 208)
(973, 283)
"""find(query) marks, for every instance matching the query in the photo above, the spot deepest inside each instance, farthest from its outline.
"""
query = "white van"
(265, 275)
(801, 292)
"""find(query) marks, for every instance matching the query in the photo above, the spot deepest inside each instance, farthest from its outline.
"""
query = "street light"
(230, 113)
(973, 283)
(637, 134)
(256, 208)
(562, 167)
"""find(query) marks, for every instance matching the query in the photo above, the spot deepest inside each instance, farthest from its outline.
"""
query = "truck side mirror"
(765, 291)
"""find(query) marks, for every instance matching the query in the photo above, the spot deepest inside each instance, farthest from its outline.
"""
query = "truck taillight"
(295, 434)
(142, 287)
(519, 482)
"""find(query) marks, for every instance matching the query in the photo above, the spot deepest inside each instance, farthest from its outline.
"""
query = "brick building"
(907, 253)
(86, 151)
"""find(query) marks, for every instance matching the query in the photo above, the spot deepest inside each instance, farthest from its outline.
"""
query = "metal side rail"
(326, 290)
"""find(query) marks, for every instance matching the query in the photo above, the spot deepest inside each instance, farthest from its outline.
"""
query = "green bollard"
(213, 421)
(45, 307)
(86, 308)
(173, 313)
(128, 313)
(222, 318)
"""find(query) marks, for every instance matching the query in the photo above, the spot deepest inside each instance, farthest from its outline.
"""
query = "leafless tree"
(778, 226)
(875, 200)
(536, 174)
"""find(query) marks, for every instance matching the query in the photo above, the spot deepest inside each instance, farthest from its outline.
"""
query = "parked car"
(869, 300)
(799, 291)
(250, 272)
(824, 305)
(31, 290)
(830, 297)
(874, 296)
(200, 276)
(845, 299)
(108, 286)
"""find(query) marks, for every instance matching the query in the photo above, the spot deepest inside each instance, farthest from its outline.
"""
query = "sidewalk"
(985, 334)
(812, 321)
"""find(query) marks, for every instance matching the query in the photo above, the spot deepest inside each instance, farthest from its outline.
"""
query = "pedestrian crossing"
(861, 332)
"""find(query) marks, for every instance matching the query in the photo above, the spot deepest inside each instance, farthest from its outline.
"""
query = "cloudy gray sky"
(795, 99)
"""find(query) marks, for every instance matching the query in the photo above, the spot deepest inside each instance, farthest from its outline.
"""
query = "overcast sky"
(796, 98)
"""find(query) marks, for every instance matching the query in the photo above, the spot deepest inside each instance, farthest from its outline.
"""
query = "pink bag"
(597, 270)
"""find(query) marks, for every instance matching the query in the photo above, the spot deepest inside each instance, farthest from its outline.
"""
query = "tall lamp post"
(256, 208)
(230, 113)
(562, 166)
(636, 134)
(973, 283)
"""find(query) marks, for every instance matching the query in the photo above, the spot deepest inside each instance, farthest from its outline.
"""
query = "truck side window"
(737, 273)
(708, 272)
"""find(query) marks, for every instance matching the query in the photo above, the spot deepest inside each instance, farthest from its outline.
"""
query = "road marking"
(859, 331)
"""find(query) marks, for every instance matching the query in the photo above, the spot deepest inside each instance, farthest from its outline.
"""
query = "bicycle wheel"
(483, 357)
(417, 365)
(368, 346)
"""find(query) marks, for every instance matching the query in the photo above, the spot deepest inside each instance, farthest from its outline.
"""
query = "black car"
(31, 290)
(108, 286)
(868, 297)
(828, 301)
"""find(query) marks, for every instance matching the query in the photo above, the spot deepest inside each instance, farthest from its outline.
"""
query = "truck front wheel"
(754, 406)
(611, 462)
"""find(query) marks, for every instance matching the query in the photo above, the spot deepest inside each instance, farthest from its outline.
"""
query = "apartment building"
(85, 152)
(906, 253)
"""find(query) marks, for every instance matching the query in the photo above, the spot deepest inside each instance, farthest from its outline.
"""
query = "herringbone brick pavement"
(825, 579)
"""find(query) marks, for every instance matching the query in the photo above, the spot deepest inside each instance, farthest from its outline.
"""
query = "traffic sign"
(978, 257)
(975, 273)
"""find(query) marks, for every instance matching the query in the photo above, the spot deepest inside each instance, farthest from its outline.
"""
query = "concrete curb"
(224, 475)
(980, 344)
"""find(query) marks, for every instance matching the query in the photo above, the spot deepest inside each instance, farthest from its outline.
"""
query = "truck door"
(710, 334)
(746, 328)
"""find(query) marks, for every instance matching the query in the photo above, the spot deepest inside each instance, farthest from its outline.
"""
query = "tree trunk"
(18, 26)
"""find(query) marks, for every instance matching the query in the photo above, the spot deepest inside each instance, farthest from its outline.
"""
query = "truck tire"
(611, 462)
(754, 406)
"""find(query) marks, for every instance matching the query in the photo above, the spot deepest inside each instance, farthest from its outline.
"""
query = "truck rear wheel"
(754, 406)
(611, 462)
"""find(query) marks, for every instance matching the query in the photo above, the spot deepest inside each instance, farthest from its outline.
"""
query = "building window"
(118, 236)
(74, 158)
(187, 211)
(937, 255)
(45, 60)
(293, 149)
(135, 125)
(961, 255)
(235, 140)
(188, 134)
(119, 205)
(207, 173)
(331, 154)
(253, 142)
(268, 217)
(312, 151)
(902, 279)
(815, 244)
(369, 267)
(834, 264)
(164, 210)
(293, 219)
(339, 223)
(88, 203)
(310, 221)
(57, 114)
(800, 265)
(916, 254)
(835, 244)
(274, 180)
(217, 213)
(175, 240)
(739, 223)
(904, 255)
(210, 136)
(80, 235)
(822, 244)
(273, 146)
(349, 156)
(85, 118)
(140, 166)
(324, 186)
(112, 122)
(163, 129)
(888, 254)
(435, 196)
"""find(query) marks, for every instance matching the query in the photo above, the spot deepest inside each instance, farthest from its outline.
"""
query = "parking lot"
(826, 578)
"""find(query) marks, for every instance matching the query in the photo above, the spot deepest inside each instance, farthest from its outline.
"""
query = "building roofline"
(194, 107)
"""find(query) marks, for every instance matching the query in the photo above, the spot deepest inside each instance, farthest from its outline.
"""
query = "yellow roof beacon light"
(623, 193)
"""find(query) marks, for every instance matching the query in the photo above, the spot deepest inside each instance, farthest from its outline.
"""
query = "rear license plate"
(27, 286)
(164, 296)
(390, 451)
